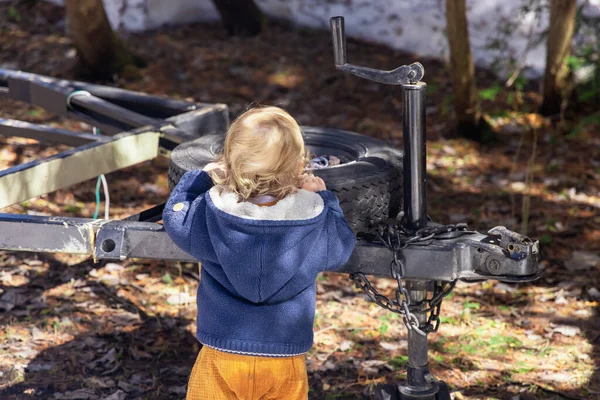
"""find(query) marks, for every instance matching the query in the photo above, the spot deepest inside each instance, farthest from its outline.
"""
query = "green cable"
(98, 181)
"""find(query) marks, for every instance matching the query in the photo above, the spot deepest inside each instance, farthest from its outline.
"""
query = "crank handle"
(406, 74)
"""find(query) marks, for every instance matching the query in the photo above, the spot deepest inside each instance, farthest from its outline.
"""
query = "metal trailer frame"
(136, 127)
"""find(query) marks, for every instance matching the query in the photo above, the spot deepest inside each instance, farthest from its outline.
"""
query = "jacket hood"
(262, 258)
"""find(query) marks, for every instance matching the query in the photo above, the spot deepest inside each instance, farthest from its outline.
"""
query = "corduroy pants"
(218, 375)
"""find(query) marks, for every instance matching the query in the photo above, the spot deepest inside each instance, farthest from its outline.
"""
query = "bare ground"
(72, 329)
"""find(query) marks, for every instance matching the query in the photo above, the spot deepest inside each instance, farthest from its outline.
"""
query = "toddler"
(263, 231)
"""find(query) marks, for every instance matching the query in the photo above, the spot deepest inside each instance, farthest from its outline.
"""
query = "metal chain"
(396, 239)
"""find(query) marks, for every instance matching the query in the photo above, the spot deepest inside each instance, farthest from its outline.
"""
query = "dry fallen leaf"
(81, 394)
(118, 395)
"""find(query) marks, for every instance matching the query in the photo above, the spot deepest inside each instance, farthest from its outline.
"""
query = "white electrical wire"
(77, 93)
(106, 196)
(105, 186)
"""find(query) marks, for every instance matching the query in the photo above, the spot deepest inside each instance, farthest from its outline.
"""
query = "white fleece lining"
(301, 205)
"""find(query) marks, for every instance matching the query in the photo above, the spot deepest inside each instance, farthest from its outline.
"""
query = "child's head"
(264, 154)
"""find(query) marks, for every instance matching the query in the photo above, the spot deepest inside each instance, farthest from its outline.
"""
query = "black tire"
(368, 183)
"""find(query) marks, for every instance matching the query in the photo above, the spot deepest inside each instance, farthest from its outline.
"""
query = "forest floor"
(72, 329)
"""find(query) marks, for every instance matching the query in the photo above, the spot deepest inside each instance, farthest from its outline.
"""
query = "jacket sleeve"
(181, 208)
(340, 238)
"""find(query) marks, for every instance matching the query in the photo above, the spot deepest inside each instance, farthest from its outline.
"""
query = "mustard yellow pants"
(218, 375)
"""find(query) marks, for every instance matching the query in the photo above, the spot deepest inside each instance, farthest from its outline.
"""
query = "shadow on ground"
(123, 352)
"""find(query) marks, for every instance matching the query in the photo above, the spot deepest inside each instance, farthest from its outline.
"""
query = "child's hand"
(313, 183)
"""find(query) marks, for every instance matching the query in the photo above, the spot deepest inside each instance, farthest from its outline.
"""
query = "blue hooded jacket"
(257, 290)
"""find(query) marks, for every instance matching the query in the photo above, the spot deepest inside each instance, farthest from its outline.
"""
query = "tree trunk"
(240, 17)
(100, 52)
(466, 102)
(560, 38)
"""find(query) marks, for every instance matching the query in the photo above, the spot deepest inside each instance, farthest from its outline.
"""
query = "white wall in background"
(142, 15)
(412, 25)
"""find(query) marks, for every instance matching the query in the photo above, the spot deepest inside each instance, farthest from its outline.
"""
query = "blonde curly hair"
(264, 154)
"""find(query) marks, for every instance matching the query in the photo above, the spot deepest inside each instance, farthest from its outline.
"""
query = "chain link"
(396, 239)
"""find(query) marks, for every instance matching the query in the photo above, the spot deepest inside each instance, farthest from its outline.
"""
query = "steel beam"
(47, 234)
(76, 165)
(46, 134)
(201, 122)
(91, 105)
(414, 161)
(468, 256)
(142, 103)
(153, 214)
(454, 258)
(146, 104)
(115, 110)
(119, 240)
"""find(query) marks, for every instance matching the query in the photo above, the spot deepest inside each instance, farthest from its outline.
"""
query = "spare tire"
(368, 182)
